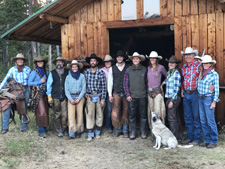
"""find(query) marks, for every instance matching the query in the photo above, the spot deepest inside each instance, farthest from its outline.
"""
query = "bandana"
(205, 72)
(20, 68)
(41, 71)
(75, 75)
(170, 73)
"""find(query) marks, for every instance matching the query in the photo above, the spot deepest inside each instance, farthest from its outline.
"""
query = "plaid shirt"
(96, 82)
(211, 78)
(190, 75)
(173, 85)
(126, 83)
(20, 77)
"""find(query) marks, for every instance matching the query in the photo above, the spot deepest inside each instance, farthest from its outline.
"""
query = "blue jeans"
(41, 130)
(6, 114)
(123, 130)
(207, 119)
(191, 116)
(108, 114)
(92, 133)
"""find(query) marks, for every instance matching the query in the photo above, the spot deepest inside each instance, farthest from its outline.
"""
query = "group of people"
(122, 91)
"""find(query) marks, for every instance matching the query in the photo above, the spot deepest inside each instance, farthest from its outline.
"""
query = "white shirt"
(110, 78)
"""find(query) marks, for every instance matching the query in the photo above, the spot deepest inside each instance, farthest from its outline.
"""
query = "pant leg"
(5, 118)
(116, 112)
(150, 109)
(108, 114)
(132, 107)
(27, 94)
(143, 114)
(80, 117)
(159, 107)
(125, 114)
(64, 115)
(90, 114)
(71, 117)
(57, 115)
(99, 115)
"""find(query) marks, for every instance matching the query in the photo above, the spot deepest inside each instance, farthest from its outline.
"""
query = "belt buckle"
(94, 93)
(150, 89)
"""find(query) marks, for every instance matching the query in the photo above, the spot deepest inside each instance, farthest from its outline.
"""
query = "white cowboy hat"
(108, 58)
(19, 56)
(208, 59)
(198, 57)
(188, 51)
(136, 54)
(154, 54)
(75, 62)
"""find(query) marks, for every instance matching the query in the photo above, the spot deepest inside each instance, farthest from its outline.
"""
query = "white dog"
(163, 134)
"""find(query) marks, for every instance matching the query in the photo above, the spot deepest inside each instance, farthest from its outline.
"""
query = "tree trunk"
(7, 51)
(50, 57)
(57, 50)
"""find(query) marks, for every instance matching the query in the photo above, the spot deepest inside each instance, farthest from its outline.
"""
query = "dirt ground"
(29, 151)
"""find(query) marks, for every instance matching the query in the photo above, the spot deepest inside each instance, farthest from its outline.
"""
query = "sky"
(129, 8)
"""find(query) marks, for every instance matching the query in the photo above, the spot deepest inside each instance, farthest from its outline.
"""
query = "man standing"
(96, 95)
(190, 73)
(20, 73)
(108, 63)
(56, 95)
(115, 84)
(135, 90)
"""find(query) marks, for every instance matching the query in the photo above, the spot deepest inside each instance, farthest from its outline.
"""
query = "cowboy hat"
(75, 62)
(154, 54)
(136, 54)
(198, 57)
(60, 58)
(93, 56)
(120, 53)
(208, 59)
(40, 59)
(108, 58)
(173, 59)
(188, 51)
(19, 56)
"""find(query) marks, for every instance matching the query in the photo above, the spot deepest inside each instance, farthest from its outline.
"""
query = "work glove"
(50, 101)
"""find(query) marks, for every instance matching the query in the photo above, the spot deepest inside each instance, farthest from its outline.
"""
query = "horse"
(13, 93)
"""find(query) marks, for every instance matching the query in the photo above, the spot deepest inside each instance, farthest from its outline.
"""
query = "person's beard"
(59, 66)
(93, 66)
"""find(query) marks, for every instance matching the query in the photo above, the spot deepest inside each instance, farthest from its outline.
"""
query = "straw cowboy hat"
(40, 59)
(173, 59)
(75, 62)
(60, 58)
(208, 59)
(154, 54)
(188, 51)
(108, 58)
(135, 54)
(93, 56)
(19, 56)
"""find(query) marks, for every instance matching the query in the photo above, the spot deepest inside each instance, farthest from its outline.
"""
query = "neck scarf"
(41, 71)
(170, 73)
(205, 72)
(75, 75)
(20, 68)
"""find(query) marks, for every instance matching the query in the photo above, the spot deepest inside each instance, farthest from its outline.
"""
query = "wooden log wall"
(197, 23)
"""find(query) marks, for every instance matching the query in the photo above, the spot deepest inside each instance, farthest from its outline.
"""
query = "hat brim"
(80, 65)
(14, 59)
(44, 60)
(142, 57)
(194, 52)
(213, 62)
(64, 61)
(88, 59)
(171, 61)
(157, 57)
(198, 57)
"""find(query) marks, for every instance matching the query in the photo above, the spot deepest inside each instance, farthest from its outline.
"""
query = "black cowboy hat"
(173, 59)
(120, 53)
(93, 56)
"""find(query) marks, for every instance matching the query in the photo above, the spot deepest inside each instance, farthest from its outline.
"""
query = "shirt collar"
(192, 63)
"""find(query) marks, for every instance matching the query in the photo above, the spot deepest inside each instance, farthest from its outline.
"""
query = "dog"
(163, 135)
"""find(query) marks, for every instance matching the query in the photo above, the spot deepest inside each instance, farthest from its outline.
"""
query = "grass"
(18, 147)
(11, 162)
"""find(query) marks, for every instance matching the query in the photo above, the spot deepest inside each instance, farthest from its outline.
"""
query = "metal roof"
(40, 30)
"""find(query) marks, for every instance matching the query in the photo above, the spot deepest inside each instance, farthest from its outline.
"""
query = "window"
(128, 9)
(151, 8)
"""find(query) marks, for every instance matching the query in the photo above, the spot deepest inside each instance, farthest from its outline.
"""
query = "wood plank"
(97, 11)
(90, 12)
(178, 37)
(96, 39)
(117, 9)
(83, 41)
(139, 7)
(194, 7)
(170, 8)
(195, 31)
(188, 23)
(178, 7)
(111, 15)
(186, 7)
(77, 35)
(104, 10)
(219, 7)
(203, 34)
(84, 14)
(163, 8)
(104, 40)
(71, 37)
(224, 50)
(219, 112)
(90, 39)
(65, 43)
(210, 6)
(140, 22)
(211, 35)
(184, 32)
(202, 6)
(53, 18)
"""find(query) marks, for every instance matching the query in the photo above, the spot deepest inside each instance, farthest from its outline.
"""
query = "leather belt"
(190, 91)
(75, 93)
(206, 95)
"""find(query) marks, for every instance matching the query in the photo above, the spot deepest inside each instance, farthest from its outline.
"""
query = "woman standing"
(75, 88)
(173, 99)
(38, 79)
(154, 77)
(207, 101)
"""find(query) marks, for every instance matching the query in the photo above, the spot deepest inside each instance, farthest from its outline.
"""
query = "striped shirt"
(190, 75)
(211, 78)
(173, 85)
(96, 82)
(20, 77)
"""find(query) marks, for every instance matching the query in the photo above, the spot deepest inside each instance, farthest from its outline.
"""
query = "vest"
(118, 79)
(58, 91)
(137, 82)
